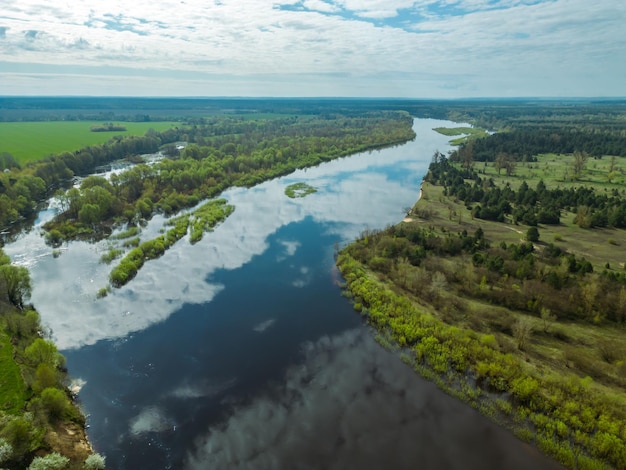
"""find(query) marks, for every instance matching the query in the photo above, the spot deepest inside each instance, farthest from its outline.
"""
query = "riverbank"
(40, 419)
(459, 299)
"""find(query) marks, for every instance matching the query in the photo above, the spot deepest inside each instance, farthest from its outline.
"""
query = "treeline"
(517, 276)
(523, 143)
(33, 398)
(22, 189)
(234, 153)
(107, 127)
(530, 206)
(221, 138)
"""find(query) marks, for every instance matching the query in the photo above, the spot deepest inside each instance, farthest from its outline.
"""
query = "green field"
(28, 141)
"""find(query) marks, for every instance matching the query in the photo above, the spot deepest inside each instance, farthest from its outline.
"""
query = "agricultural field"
(28, 141)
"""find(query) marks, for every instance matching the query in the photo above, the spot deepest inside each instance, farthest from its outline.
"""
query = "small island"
(462, 134)
(297, 190)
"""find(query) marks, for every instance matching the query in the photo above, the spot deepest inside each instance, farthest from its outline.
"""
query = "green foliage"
(111, 255)
(53, 461)
(13, 390)
(42, 351)
(128, 233)
(201, 220)
(532, 234)
(207, 217)
(45, 377)
(94, 462)
(102, 292)
(300, 189)
(442, 350)
(242, 153)
(55, 402)
(15, 284)
(21, 433)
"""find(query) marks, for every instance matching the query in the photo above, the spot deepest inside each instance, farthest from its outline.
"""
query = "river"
(240, 351)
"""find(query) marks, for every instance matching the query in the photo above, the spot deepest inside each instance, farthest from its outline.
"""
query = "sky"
(303, 48)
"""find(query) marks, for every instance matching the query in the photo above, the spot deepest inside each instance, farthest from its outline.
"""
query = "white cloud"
(473, 40)
(320, 5)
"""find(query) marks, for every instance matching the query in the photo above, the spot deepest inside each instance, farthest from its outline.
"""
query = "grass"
(29, 141)
(12, 386)
(555, 170)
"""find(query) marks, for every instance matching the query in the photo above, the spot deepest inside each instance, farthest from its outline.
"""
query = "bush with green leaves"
(94, 462)
(6, 450)
(53, 461)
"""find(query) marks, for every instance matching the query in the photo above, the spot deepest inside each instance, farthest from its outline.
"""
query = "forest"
(508, 289)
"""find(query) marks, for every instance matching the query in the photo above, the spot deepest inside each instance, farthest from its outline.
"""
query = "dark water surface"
(240, 352)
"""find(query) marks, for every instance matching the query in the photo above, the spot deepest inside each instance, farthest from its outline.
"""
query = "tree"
(504, 160)
(467, 156)
(579, 163)
(522, 329)
(583, 217)
(15, 284)
(53, 461)
(94, 462)
(89, 214)
(532, 234)
(42, 351)
(55, 402)
(588, 294)
(548, 318)
(45, 377)
(501, 161)
(6, 450)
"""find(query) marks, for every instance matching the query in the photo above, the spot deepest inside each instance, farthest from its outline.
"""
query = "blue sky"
(378, 48)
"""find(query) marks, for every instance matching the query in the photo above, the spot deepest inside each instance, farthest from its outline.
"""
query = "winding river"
(240, 351)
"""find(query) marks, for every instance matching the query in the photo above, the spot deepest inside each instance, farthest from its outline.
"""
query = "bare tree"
(579, 163)
(522, 330)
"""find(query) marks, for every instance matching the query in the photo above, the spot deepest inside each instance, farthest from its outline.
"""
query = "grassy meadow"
(28, 141)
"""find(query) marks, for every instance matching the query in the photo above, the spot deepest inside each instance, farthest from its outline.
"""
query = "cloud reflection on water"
(353, 193)
(351, 404)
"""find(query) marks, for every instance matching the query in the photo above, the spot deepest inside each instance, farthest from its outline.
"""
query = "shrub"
(52, 461)
(94, 462)
(532, 234)
(55, 402)
(6, 450)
